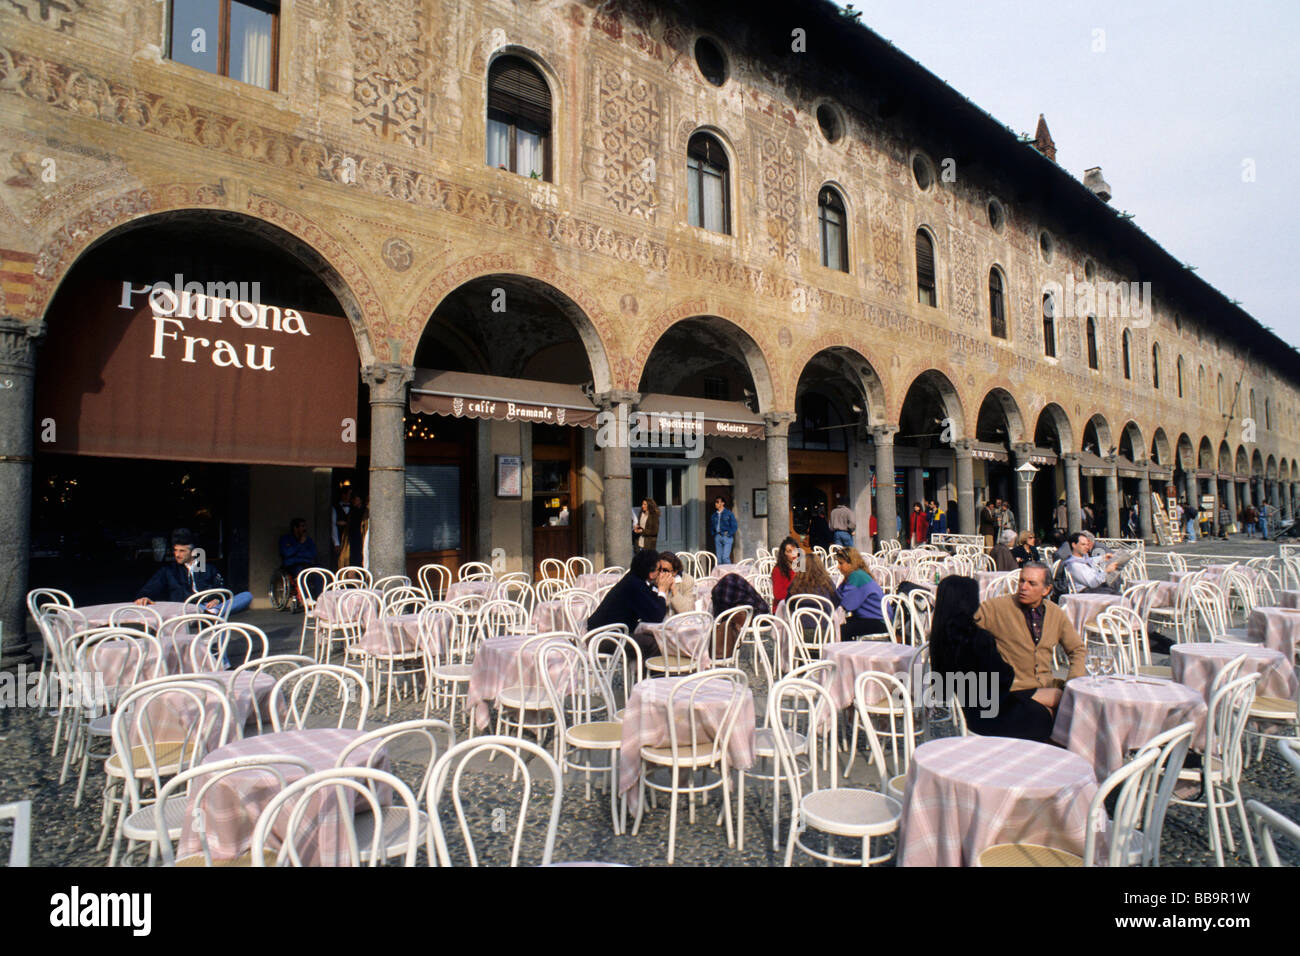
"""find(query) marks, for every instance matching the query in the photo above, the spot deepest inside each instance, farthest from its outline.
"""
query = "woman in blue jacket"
(860, 596)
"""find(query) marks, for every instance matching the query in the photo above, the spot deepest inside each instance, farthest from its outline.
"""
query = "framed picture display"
(760, 502)
(510, 476)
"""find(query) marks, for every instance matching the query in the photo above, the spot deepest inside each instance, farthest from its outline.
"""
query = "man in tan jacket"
(1015, 620)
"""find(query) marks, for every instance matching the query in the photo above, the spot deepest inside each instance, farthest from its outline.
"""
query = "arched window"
(1180, 376)
(1220, 393)
(1268, 415)
(1200, 383)
(1155, 366)
(997, 304)
(927, 292)
(1127, 360)
(518, 118)
(831, 222)
(1252, 403)
(1094, 361)
(1049, 325)
(707, 184)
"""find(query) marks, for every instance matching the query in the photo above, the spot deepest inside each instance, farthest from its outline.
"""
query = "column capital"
(1023, 449)
(963, 447)
(18, 343)
(1070, 458)
(387, 382)
(1143, 463)
(607, 400)
(884, 434)
(777, 422)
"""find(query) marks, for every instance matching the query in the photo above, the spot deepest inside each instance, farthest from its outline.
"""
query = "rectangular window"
(706, 195)
(432, 508)
(716, 390)
(832, 224)
(232, 38)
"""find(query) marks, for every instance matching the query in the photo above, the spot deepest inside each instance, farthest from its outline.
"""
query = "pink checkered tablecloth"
(986, 580)
(97, 615)
(851, 658)
(172, 716)
(965, 794)
(1103, 719)
(400, 634)
(495, 668)
(462, 588)
(1082, 609)
(685, 639)
(645, 724)
(231, 807)
(1275, 627)
(1196, 665)
(1288, 599)
(1164, 594)
(550, 616)
(330, 601)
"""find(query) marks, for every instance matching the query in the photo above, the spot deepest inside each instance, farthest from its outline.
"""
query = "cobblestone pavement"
(64, 836)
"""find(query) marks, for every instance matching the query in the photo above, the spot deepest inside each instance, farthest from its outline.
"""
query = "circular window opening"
(997, 215)
(709, 58)
(1089, 269)
(829, 122)
(1045, 246)
(719, 468)
(922, 172)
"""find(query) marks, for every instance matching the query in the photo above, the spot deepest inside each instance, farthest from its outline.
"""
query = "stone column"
(1287, 503)
(1145, 525)
(886, 507)
(1189, 489)
(1024, 491)
(1273, 501)
(967, 522)
(777, 425)
(1073, 506)
(860, 492)
(387, 383)
(1112, 498)
(1247, 496)
(1231, 501)
(18, 341)
(616, 463)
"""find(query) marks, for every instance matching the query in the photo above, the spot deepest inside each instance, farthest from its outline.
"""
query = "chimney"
(1043, 140)
(1093, 180)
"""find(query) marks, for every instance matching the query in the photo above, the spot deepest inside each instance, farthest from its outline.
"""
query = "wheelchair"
(284, 591)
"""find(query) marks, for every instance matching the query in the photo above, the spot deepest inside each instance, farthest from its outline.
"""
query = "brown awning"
(725, 419)
(988, 451)
(465, 395)
(1128, 469)
(1094, 466)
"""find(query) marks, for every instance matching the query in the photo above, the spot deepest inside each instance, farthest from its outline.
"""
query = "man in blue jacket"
(178, 579)
(722, 525)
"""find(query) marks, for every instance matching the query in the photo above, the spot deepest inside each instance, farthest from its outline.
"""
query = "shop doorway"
(666, 484)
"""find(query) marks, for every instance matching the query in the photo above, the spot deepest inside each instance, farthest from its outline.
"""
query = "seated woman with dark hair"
(860, 596)
(783, 571)
(965, 657)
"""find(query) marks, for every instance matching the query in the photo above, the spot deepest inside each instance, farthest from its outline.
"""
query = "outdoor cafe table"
(496, 667)
(1288, 599)
(852, 658)
(1275, 627)
(1103, 719)
(594, 582)
(1082, 609)
(986, 580)
(645, 724)
(965, 794)
(1196, 666)
(683, 642)
(328, 603)
(173, 715)
(461, 588)
(400, 634)
(231, 807)
(550, 616)
(97, 615)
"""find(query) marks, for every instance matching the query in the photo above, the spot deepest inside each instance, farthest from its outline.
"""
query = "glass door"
(663, 483)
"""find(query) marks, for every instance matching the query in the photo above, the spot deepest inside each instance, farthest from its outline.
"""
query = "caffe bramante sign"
(195, 372)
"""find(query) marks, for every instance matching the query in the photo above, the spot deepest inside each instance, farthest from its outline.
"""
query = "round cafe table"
(496, 667)
(1082, 609)
(1103, 719)
(97, 615)
(461, 588)
(1275, 627)
(965, 794)
(1288, 599)
(1196, 666)
(986, 580)
(852, 658)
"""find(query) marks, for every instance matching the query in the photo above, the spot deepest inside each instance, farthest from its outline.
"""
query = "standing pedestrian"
(843, 523)
(722, 525)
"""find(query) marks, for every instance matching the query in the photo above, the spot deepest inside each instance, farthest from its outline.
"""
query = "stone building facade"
(798, 329)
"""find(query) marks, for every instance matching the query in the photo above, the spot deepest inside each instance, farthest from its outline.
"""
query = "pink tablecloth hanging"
(232, 806)
(1275, 627)
(986, 580)
(462, 588)
(594, 582)
(1104, 719)
(97, 615)
(1195, 665)
(549, 616)
(396, 634)
(645, 724)
(680, 640)
(328, 602)
(495, 668)
(1082, 609)
(851, 658)
(173, 715)
(965, 794)
(1288, 599)
(1164, 594)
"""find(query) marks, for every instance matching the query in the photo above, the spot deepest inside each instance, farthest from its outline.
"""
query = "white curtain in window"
(498, 144)
(693, 192)
(713, 202)
(529, 149)
(257, 53)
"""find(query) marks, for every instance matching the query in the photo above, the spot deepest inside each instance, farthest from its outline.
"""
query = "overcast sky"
(1180, 96)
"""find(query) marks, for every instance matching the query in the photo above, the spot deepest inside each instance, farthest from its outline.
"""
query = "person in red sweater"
(919, 526)
(787, 561)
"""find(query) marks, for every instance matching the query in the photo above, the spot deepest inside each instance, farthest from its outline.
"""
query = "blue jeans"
(238, 604)
(1250, 529)
(844, 539)
(722, 547)
(1263, 528)
(1191, 530)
